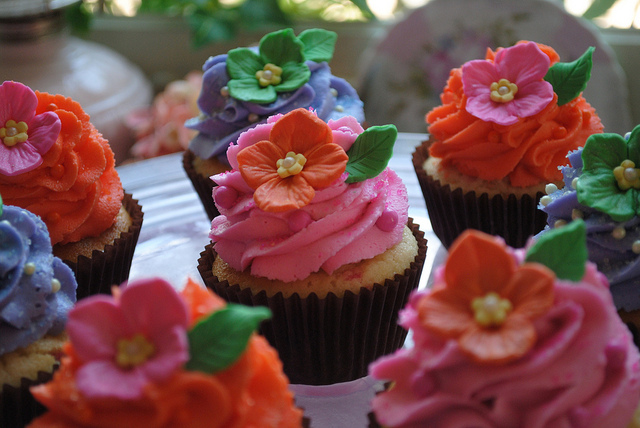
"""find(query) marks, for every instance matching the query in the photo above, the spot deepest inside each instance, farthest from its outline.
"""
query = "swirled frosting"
(252, 391)
(224, 118)
(583, 370)
(525, 153)
(344, 223)
(614, 256)
(76, 190)
(36, 288)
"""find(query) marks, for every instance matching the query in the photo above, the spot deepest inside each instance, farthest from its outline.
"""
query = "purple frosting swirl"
(224, 118)
(613, 255)
(36, 288)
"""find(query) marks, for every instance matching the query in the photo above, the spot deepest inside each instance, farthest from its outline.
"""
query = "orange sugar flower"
(298, 158)
(487, 301)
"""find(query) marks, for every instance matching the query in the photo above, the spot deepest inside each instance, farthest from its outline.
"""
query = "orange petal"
(300, 131)
(478, 262)
(324, 165)
(531, 290)
(444, 313)
(257, 163)
(279, 194)
(499, 345)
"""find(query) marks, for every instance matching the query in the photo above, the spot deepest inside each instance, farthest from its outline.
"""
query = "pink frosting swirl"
(583, 371)
(338, 227)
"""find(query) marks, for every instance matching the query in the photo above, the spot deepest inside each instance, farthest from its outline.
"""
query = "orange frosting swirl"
(526, 153)
(253, 392)
(76, 190)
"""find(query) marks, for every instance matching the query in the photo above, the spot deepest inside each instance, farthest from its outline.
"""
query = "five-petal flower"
(510, 87)
(298, 158)
(129, 340)
(486, 301)
(24, 136)
(609, 179)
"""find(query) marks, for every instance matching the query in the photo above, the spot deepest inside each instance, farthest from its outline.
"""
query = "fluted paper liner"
(329, 340)
(451, 212)
(17, 406)
(97, 274)
(202, 185)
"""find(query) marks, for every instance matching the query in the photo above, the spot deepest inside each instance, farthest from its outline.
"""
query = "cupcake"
(601, 185)
(54, 163)
(315, 226)
(151, 357)
(244, 87)
(504, 127)
(36, 292)
(512, 338)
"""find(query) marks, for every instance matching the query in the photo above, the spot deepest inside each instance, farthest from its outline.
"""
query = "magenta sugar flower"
(129, 340)
(24, 136)
(510, 87)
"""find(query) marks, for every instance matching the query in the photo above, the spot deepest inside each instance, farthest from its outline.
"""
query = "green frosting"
(569, 79)
(370, 153)
(216, 342)
(563, 250)
(282, 49)
(597, 186)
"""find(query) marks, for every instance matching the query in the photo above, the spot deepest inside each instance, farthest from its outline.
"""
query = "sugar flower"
(24, 136)
(510, 87)
(129, 340)
(610, 179)
(298, 158)
(486, 301)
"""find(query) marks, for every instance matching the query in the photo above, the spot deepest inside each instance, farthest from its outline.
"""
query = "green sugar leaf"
(319, 44)
(242, 63)
(281, 47)
(569, 79)
(216, 342)
(370, 153)
(563, 250)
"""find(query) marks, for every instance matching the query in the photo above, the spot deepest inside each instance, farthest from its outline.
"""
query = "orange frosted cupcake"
(151, 357)
(505, 125)
(55, 163)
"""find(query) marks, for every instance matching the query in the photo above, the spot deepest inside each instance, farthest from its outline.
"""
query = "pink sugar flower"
(136, 337)
(509, 88)
(24, 136)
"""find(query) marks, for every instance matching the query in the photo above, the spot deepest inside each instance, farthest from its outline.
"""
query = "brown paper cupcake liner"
(97, 274)
(17, 406)
(451, 212)
(202, 185)
(333, 339)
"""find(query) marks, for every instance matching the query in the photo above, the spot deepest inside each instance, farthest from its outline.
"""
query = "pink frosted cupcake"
(508, 338)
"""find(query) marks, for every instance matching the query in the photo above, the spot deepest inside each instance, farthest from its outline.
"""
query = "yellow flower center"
(133, 352)
(270, 75)
(627, 175)
(13, 133)
(292, 164)
(490, 310)
(503, 91)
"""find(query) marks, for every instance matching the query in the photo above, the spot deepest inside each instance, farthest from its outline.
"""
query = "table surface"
(175, 228)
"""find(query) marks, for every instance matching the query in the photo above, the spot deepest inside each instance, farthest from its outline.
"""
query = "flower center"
(503, 91)
(270, 75)
(13, 133)
(490, 310)
(627, 175)
(133, 352)
(292, 164)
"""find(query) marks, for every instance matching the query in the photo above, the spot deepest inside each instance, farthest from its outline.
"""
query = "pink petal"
(152, 305)
(477, 77)
(19, 102)
(532, 98)
(18, 159)
(522, 63)
(95, 325)
(172, 351)
(102, 379)
(43, 131)
(487, 110)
